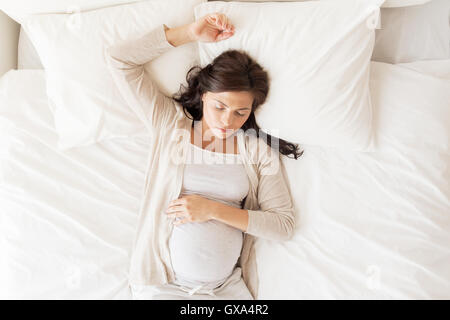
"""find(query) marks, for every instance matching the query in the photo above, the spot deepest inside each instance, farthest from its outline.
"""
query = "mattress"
(369, 225)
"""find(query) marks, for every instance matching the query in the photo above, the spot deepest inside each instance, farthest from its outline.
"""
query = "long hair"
(233, 70)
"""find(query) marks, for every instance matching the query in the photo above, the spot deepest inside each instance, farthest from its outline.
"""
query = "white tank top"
(206, 253)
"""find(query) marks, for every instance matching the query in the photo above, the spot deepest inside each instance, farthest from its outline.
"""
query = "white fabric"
(87, 105)
(19, 10)
(387, 3)
(395, 41)
(67, 219)
(206, 253)
(403, 3)
(27, 57)
(413, 33)
(373, 225)
(233, 288)
(370, 225)
(436, 68)
(8, 43)
(319, 89)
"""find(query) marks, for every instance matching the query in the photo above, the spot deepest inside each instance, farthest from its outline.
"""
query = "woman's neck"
(210, 141)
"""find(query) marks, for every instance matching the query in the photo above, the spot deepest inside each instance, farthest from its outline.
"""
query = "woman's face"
(225, 110)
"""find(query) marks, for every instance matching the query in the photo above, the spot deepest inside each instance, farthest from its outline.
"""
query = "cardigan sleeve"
(126, 61)
(275, 220)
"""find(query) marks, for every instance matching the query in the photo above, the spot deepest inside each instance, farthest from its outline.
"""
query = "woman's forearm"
(179, 35)
(232, 216)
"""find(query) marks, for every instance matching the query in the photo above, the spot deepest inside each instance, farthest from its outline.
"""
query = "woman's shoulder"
(264, 156)
(176, 118)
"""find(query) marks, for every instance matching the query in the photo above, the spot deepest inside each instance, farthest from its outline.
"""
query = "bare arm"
(232, 216)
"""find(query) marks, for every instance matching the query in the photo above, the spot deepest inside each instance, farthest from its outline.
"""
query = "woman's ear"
(203, 97)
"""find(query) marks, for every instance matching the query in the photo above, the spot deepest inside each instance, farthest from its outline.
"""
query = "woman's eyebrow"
(245, 108)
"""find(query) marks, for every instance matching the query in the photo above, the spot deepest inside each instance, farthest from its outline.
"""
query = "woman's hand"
(191, 208)
(212, 27)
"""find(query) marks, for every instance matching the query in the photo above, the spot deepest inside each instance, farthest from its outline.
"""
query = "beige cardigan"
(269, 203)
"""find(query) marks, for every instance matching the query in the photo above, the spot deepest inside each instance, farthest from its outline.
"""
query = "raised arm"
(126, 62)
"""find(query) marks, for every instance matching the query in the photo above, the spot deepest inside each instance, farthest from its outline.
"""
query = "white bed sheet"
(370, 225)
(67, 218)
(373, 225)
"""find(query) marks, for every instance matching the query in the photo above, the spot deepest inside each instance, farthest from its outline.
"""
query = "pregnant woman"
(228, 189)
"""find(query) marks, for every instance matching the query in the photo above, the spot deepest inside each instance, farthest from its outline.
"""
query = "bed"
(371, 225)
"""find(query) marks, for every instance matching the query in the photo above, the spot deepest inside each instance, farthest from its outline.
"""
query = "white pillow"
(386, 4)
(8, 43)
(27, 57)
(414, 33)
(317, 54)
(413, 107)
(19, 10)
(436, 68)
(86, 103)
(403, 3)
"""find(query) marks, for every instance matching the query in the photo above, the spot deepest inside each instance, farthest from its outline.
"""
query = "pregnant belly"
(206, 251)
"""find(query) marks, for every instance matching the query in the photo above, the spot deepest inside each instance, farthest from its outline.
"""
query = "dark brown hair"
(233, 70)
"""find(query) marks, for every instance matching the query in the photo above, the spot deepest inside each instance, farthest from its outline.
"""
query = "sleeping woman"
(221, 200)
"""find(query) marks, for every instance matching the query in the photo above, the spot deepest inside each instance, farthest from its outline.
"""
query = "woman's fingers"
(174, 211)
(175, 214)
(221, 21)
(226, 23)
(181, 221)
(228, 26)
(223, 36)
(211, 19)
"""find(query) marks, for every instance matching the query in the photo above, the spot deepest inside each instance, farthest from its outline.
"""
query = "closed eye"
(221, 108)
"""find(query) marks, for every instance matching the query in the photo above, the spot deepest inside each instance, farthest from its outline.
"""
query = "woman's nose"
(227, 121)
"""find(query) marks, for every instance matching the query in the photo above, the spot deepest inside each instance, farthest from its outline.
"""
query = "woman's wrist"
(235, 217)
(179, 35)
